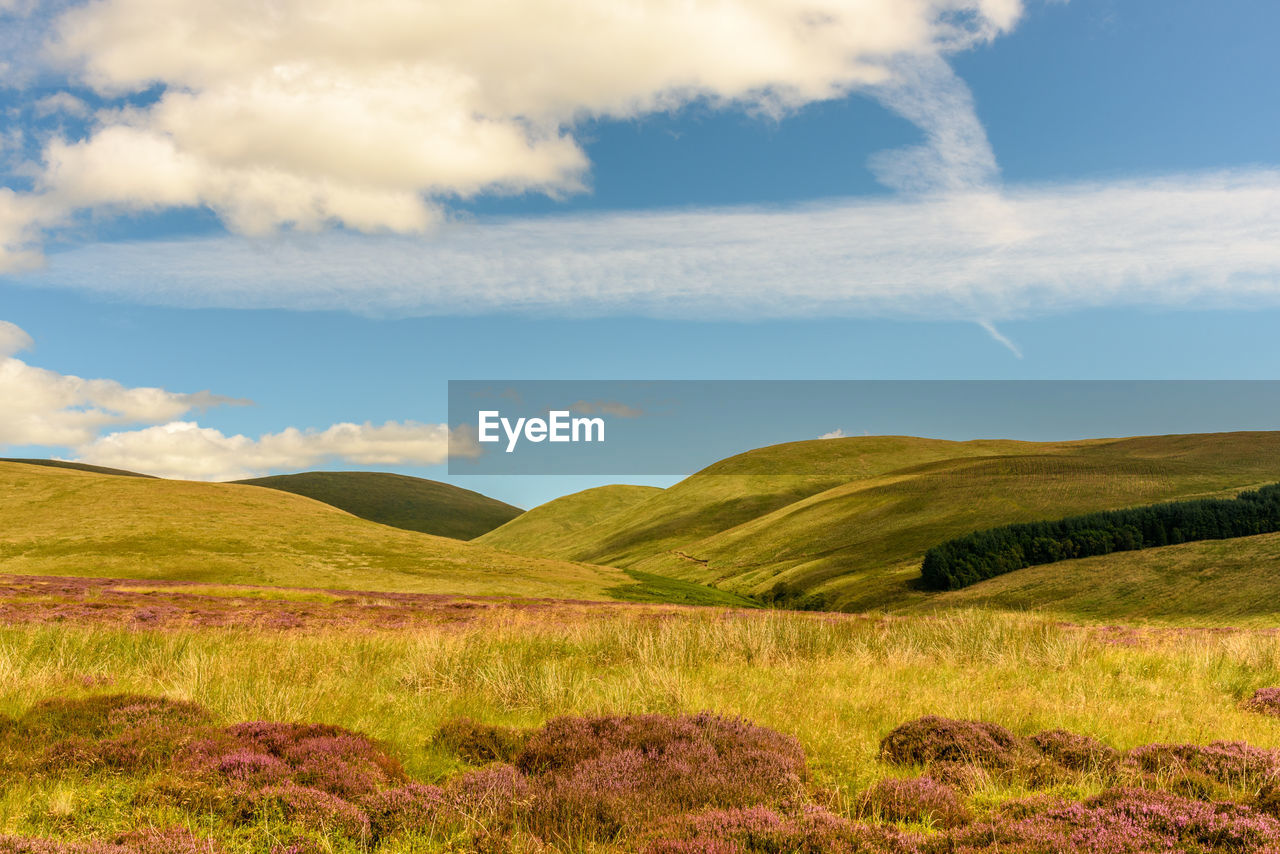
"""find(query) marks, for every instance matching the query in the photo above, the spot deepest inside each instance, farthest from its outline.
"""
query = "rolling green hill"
(732, 492)
(1210, 582)
(412, 503)
(556, 525)
(59, 521)
(64, 464)
(844, 523)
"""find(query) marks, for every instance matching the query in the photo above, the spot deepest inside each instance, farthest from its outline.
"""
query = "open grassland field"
(64, 522)
(843, 524)
(412, 503)
(587, 733)
(177, 604)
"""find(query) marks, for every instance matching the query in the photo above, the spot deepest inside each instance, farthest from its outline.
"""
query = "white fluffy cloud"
(183, 449)
(43, 408)
(21, 217)
(13, 339)
(1185, 240)
(370, 113)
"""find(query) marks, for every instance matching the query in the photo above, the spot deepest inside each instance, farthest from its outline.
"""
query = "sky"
(263, 237)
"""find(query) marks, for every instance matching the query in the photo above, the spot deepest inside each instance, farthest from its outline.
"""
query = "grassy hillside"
(554, 526)
(56, 521)
(412, 503)
(64, 464)
(844, 523)
(745, 487)
(1216, 582)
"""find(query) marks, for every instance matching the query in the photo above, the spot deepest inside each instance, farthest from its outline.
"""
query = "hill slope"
(412, 503)
(64, 464)
(748, 486)
(556, 525)
(1214, 581)
(56, 521)
(849, 530)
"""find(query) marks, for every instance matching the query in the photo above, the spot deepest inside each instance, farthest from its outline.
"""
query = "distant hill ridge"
(59, 520)
(840, 524)
(65, 464)
(844, 523)
(401, 501)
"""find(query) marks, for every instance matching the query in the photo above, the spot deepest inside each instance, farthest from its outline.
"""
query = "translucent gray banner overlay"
(633, 427)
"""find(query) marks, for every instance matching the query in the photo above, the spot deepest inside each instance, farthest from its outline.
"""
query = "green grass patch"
(660, 588)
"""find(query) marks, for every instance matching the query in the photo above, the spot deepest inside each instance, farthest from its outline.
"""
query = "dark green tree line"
(985, 554)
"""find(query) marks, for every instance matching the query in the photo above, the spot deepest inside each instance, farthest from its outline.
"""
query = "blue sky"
(1093, 194)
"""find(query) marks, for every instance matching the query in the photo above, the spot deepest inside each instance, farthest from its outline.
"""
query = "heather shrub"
(1212, 826)
(1074, 751)
(565, 742)
(480, 744)
(1268, 800)
(106, 716)
(123, 731)
(410, 807)
(1265, 701)
(598, 777)
(931, 739)
(316, 776)
(313, 808)
(760, 830)
(326, 758)
(1121, 821)
(919, 799)
(496, 791)
(148, 841)
(174, 840)
(960, 776)
(1231, 763)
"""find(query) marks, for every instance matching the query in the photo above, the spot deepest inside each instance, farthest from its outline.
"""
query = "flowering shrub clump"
(149, 841)
(480, 744)
(1120, 821)
(497, 791)
(1076, 752)
(694, 784)
(759, 830)
(931, 739)
(920, 799)
(323, 778)
(598, 777)
(1265, 701)
(314, 808)
(125, 732)
(317, 776)
(960, 776)
(408, 807)
(1227, 762)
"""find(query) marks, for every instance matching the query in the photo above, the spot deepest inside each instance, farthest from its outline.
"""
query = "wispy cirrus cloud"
(1207, 240)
